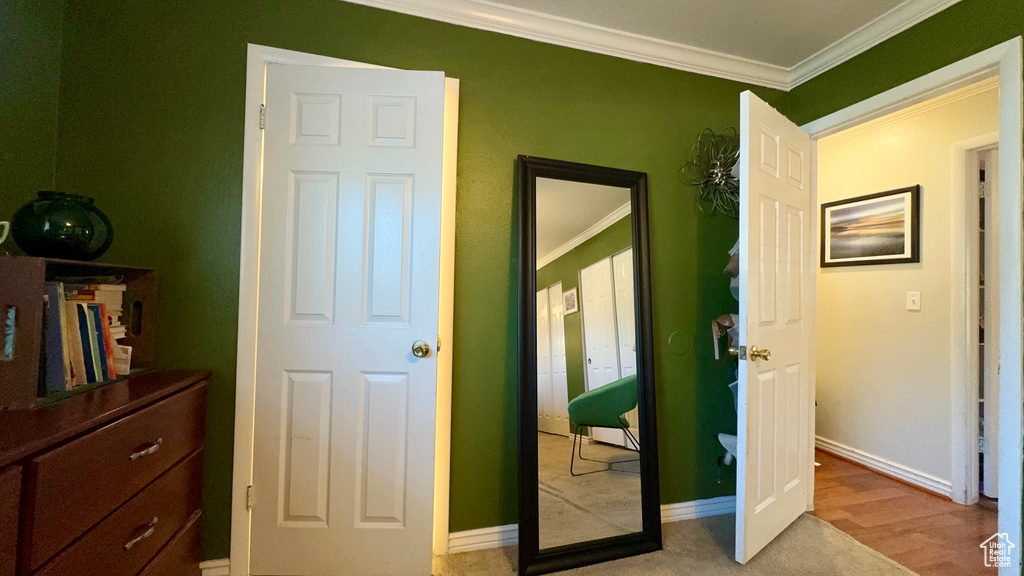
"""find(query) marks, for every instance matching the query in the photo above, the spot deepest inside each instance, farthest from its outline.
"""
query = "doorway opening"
(902, 347)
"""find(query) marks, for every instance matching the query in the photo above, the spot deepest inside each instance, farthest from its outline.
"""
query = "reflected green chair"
(603, 407)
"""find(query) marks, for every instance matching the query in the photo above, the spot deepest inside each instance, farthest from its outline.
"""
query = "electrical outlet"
(914, 301)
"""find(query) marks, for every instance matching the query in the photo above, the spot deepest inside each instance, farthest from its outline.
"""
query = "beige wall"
(883, 373)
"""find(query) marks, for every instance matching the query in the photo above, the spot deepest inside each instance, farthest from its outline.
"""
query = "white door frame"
(1004, 61)
(964, 315)
(248, 298)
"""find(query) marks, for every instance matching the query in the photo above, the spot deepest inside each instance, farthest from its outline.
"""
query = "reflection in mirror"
(588, 477)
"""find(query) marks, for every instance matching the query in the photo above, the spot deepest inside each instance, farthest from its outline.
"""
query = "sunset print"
(871, 229)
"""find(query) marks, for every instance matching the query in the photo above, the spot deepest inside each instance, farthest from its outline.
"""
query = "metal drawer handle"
(147, 450)
(150, 528)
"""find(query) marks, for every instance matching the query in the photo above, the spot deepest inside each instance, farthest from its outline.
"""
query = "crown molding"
(531, 25)
(484, 15)
(887, 25)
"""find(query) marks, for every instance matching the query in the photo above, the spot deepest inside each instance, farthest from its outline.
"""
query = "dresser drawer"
(128, 539)
(74, 486)
(181, 555)
(10, 500)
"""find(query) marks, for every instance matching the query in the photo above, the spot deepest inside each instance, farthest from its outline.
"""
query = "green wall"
(30, 39)
(150, 123)
(566, 269)
(964, 29)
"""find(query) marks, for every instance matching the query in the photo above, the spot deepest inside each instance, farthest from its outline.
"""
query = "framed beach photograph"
(882, 228)
(570, 303)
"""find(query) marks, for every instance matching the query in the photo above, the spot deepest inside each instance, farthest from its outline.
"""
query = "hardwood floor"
(929, 534)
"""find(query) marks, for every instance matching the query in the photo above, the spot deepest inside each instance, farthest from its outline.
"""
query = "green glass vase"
(62, 225)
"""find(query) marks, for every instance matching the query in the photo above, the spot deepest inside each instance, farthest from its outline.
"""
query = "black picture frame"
(532, 560)
(911, 237)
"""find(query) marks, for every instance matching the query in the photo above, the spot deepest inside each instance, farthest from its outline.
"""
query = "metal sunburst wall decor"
(712, 171)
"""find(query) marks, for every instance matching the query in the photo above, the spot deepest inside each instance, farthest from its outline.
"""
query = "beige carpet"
(580, 508)
(810, 547)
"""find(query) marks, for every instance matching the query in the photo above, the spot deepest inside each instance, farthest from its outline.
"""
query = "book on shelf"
(75, 344)
(110, 295)
(57, 365)
(82, 323)
(101, 346)
(93, 372)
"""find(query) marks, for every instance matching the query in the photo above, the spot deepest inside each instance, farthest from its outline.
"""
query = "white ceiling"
(779, 32)
(774, 43)
(567, 209)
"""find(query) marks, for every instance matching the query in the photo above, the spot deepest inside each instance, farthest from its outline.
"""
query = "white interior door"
(990, 464)
(545, 392)
(559, 375)
(343, 455)
(600, 343)
(625, 322)
(774, 473)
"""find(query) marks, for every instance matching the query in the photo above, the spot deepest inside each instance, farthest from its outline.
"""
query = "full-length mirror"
(588, 460)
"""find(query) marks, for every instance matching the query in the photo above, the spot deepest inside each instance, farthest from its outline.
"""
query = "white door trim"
(964, 313)
(248, 297)
(1004, 61)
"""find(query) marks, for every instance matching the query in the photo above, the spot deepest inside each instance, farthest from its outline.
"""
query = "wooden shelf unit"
(23, 285)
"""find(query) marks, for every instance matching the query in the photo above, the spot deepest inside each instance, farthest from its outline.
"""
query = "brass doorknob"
(756, 354)
(420, 349)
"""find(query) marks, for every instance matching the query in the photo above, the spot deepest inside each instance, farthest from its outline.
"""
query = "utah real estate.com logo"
(997, 550)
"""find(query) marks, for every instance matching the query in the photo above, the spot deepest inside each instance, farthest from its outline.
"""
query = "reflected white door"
(625, 321)
(545, 393)
(775, 472)
(559, 375)
(343, 458)
(600, 343)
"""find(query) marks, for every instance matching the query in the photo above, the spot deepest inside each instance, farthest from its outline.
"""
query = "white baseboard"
(221, 567)
(498, 536)
(915, 477)
(483, 538)
(697, 509)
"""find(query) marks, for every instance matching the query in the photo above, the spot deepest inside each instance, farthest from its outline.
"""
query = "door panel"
(545, 392)
(343, 458)
(625, 322)
(559, 374)
(601, 344)
(774, 472)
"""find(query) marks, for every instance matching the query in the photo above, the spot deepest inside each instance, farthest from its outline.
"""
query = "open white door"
(344, 420)
(774, 474)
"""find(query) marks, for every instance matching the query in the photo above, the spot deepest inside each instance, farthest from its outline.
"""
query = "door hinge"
(263, 116)
(981, 445)
(438, 343)
(248, 498)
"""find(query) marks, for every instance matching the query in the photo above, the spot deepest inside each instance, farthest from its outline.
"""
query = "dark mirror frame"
(532, 560)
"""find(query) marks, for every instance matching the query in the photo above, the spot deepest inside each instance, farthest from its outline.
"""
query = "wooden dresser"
(105, 483)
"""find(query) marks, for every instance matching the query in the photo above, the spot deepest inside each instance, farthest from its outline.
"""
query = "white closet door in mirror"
(600, 341)
(559, 373)
(625, 321)
(544, 393)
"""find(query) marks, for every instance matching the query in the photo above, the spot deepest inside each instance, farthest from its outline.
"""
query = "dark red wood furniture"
(106, 482)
